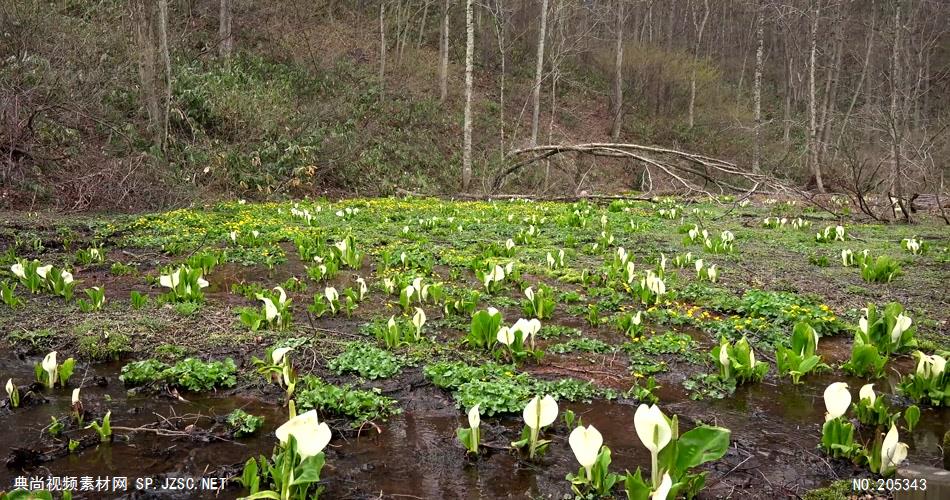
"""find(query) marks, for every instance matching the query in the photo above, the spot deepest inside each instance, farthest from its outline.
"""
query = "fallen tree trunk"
(692, 171)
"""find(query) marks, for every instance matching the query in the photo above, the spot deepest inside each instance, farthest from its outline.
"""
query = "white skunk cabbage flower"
(663, 490)
(724, 354)
(652, 428)
(540, 412)
(283, 295)
(49, 365)
(17, 269)
(892, 452)
(312, 435)
(278, 354)
(505, 335)
(170, 280)
(363, 288)
(419, 319)
(270, 310)
(867, 392)
(900, 326)
(474, 419)
(837, 400)
(341, 246)
(586, 443)
(43, 270)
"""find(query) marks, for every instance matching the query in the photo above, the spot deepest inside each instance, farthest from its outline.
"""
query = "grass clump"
(104, 347)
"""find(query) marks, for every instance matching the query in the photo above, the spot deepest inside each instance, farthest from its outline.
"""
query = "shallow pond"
(775, 430)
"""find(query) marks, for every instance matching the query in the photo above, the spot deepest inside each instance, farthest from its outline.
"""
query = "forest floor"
(394, 403)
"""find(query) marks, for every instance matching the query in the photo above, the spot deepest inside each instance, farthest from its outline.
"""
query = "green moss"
(838, 490)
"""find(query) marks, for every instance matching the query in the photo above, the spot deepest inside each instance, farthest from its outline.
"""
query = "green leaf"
(700, 445)
(66, 370)
(808, 364)
(635, 487)
(465, 436)
(912, 416)
(309, 470)
(263, 494)
(249, 476)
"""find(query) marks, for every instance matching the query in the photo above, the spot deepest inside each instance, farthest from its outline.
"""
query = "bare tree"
(166, 59)
(617, 111)
(143, 20)
(896, 118)
(500, 24)
(467, 127)
(831, 87)
(700, 27)
(812, 153)
(382, 49)
(757, 89)
(444, 54)
(858, 87)
(225, 37)
(539, 68)
(422, 23)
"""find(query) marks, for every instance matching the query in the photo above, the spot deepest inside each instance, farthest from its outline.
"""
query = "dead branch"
(689, 170)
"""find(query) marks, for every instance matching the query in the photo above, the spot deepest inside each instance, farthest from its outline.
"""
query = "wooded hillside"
(131, 104)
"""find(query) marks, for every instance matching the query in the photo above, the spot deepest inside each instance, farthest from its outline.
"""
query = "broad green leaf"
(700, 445)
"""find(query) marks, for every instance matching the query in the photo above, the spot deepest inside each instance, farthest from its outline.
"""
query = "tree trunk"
(812, 156)
(859, 86)
(467, 127)
(444, 55)
(617, 111)
(789, 83)
(831, 89)
(692, 77)
(757, 90)
(382, 49)
(225, 38)
(501, 35)
(143, 21)
(897, 119)
(422, 24)
(536, 96)
(166, 59)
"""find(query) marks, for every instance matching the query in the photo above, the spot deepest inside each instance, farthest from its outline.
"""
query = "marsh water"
(415, 454)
